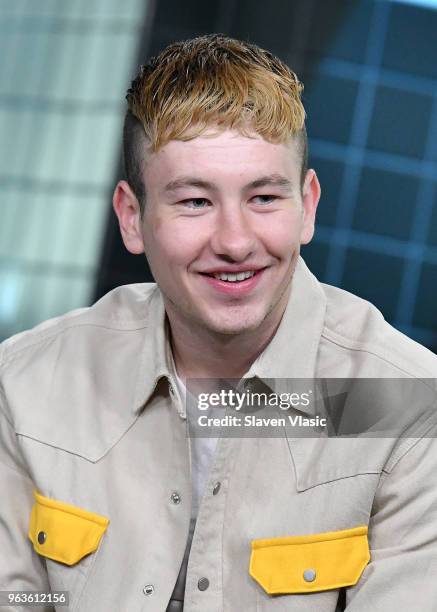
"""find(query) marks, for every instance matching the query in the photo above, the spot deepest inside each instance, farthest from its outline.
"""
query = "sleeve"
(403, 535)
(20, 567)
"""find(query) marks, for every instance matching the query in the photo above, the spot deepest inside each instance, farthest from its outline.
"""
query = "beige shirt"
(90, 419)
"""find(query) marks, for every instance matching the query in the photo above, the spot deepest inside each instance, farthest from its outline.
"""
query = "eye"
(265, 199)
(195, 203)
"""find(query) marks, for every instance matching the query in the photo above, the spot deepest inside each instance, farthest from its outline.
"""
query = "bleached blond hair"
(210, 81)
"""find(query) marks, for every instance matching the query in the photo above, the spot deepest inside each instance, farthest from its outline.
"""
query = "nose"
(234, 238)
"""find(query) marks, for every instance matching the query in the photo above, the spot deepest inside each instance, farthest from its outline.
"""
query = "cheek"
(174, 244)
(281, 236)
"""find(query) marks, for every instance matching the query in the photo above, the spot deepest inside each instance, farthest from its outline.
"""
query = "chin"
(234, 325)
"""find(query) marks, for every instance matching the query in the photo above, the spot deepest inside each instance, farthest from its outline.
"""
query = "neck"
(201, 353)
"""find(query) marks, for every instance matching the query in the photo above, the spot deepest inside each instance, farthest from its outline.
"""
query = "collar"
(156, 357)
(291, 354)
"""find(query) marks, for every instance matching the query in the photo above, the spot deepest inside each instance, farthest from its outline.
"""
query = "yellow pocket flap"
(309, 563)
(63, 532)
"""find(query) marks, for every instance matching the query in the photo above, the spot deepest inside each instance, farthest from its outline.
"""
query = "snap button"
(216, 488)
(309, 575)
(175, 497)
(148, 589)
(203, 584)
(42, 537)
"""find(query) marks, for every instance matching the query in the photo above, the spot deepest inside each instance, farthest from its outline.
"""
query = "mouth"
(233, 277)
(235, 283)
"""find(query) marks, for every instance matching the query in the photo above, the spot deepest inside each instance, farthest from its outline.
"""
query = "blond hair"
(210, 81)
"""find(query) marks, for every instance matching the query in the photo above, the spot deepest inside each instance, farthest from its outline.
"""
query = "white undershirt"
(202, 453)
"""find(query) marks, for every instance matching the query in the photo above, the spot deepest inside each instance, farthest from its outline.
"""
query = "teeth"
(233, 278)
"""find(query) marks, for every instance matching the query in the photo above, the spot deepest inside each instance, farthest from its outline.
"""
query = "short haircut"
(210, 81)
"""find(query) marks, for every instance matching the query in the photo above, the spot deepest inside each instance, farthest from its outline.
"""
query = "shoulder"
(79, 370)
(84, 344)
(125, 308)
(357, 336)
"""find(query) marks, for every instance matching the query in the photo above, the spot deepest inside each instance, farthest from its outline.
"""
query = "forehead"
(227, 155)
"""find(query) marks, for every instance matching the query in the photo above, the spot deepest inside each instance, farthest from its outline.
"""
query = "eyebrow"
(274, 180)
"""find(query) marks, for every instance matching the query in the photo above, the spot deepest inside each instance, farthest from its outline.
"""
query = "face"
(223, 224)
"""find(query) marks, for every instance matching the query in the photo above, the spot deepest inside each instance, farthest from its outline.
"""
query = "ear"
(311, 196)
(127, 209)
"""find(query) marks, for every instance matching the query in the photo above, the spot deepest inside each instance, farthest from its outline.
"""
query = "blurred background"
(370, 74)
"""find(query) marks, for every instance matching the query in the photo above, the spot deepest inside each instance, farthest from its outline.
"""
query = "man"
(104, 495)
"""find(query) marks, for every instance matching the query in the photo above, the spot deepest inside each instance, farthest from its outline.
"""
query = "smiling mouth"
(233, 277)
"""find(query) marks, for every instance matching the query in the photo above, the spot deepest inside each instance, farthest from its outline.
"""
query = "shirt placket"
(204, 585)
(171, 528)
